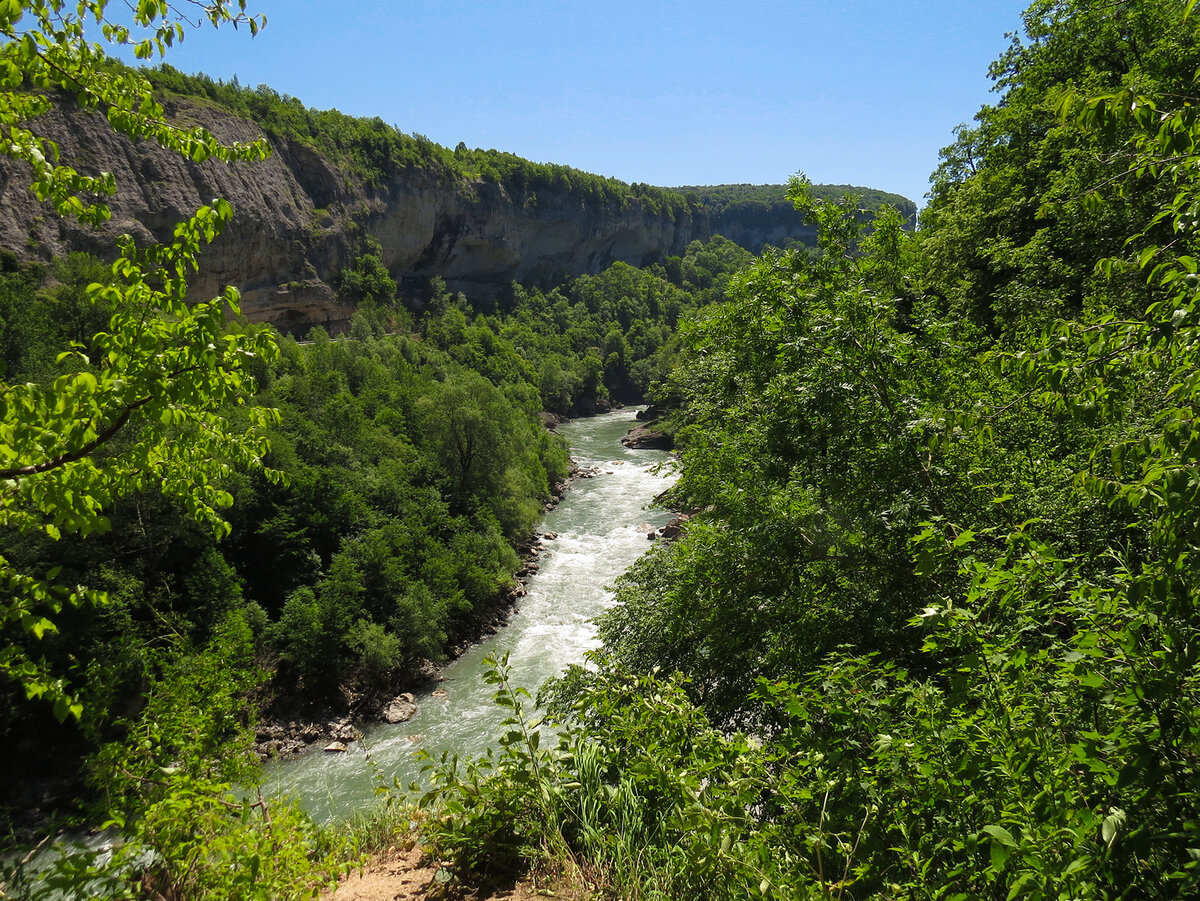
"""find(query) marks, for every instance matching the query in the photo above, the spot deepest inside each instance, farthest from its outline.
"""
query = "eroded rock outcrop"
(648, 436)
(295, 213)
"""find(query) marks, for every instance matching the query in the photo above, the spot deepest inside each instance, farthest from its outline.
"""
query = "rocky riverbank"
(332, 730)
(652, 433)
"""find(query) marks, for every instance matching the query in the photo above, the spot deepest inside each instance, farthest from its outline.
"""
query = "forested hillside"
(933, 631)
(930, 631)
(407, 462)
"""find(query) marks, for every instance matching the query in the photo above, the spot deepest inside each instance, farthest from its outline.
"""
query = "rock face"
(755, 230)
(295, 213)
(646, 436)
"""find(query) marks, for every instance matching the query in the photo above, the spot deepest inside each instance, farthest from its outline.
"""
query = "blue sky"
(667, 93)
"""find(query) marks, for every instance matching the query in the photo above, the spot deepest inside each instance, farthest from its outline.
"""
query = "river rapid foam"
(601, 526)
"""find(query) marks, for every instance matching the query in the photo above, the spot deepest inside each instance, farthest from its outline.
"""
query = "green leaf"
(1018, 885)
(1111, 826)
(966, 536)
(1077, 865)
(10, 10)
(1002, 835)
(64, 708)
(41, 626)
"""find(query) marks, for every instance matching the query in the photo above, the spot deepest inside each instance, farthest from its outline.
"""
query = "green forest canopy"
(942, 568)
(730, 200)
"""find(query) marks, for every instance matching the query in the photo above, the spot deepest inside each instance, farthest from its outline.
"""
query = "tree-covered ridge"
(373, 151)
(370, 150)
(729, 200)
(762, 216)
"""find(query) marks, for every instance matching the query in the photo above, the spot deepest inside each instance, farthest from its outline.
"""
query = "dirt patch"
(409, 875)
(394, 875)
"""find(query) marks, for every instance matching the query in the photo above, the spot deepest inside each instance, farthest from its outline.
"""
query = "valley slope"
(479, 220)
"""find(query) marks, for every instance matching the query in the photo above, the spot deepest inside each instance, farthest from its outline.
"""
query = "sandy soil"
(400, 875)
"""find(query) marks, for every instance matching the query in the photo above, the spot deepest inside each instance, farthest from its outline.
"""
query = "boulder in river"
(401, 709)
(336, 747)
(674, 528)
(647, 437)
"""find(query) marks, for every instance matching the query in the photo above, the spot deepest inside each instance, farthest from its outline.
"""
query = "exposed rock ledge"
(296, 212)
(646, 436)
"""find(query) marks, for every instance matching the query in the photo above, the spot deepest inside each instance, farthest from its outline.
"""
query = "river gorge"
(600, 529)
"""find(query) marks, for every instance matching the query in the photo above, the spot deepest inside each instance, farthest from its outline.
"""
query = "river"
(601, 524)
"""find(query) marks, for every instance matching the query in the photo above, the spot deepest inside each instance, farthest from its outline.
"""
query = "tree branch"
(80, 452)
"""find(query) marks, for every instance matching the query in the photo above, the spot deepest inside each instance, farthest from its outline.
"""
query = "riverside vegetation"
(204, 520)
(931, 634)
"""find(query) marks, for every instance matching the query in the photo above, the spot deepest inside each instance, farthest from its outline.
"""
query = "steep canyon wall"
(298, 218)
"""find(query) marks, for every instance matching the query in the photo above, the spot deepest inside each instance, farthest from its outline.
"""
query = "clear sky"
(848, 91)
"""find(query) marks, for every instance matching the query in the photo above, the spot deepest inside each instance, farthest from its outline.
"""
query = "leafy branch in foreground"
(495, 813)
(175, 788)
(143, 406)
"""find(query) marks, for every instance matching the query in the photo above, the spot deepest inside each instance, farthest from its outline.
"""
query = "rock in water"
(647, 437)
(400, 710)
(336, 747)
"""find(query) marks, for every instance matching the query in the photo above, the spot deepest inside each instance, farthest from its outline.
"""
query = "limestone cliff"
(297, 215)
(755, 216)
(754, 229)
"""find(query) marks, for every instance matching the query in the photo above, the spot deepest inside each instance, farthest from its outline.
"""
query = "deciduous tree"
(144, 407)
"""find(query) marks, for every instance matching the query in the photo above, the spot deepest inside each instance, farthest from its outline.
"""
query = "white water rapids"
(601, 524)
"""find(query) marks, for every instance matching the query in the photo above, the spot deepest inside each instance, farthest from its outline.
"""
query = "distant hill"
(757, 215)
